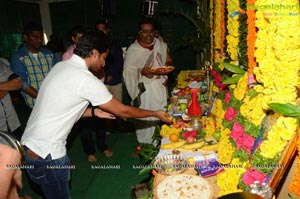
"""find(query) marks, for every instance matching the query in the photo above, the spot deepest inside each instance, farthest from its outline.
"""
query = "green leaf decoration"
(252, 93)
(232, 80)
(233, 68)
(287, 109)
(145, 171)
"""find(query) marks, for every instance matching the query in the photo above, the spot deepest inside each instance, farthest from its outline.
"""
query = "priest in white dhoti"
(146, 90)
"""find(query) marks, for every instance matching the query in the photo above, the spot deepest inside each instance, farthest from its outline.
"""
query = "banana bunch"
(166, 130)
(193, 146)
(173, 145)
(211, 147)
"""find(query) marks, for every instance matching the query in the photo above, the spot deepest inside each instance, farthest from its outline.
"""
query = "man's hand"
(2, 94)
(146, 71)
(165, 117)
(102, 114)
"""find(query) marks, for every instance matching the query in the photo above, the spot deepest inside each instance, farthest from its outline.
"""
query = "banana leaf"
(232, 80)
(233, 68)
(287, 109)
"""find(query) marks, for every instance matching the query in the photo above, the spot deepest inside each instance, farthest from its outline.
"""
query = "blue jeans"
(50, 175)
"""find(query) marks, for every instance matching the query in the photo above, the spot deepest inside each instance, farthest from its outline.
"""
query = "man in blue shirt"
(32, 62)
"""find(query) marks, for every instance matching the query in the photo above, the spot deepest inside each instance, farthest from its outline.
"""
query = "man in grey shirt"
(9, 81)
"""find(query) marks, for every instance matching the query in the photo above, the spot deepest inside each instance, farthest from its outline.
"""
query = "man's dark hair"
(92, 39)
(31, 26)
(77, 29)
(102, 21)
(146, 21)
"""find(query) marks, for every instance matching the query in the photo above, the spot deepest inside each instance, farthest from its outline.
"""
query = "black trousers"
(87, 128)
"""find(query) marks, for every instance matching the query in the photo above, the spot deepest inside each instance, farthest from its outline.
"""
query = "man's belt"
(32, 154)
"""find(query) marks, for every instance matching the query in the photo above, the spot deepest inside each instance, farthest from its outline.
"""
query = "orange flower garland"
(251, 37)
(222, 26)
(294, 186)
(218, 30)
(214, 32)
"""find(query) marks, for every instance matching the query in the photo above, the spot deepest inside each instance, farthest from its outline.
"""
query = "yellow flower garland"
(233, 30)
(252, 109)
(219, 113)
(242, 87)
(225, 148)
(276, 142)
(228, 180)
(277, 51)
(209, 126)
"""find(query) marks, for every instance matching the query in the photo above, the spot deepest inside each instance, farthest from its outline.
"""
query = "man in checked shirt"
(32, 62)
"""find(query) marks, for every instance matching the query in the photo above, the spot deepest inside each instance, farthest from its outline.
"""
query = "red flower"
(253, 175)
(230, 114)
(237, 131)
(218, 79)
(243, 140)
(227, 97)
(246, 142)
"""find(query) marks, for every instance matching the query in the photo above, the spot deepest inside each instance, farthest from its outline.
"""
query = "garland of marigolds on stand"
(233, 30)
(243, 32)
(212, 25)
(277, 71)
(251, 37)
(218, 30)
(277, 54)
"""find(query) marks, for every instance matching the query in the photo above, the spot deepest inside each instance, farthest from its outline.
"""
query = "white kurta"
(155, 96)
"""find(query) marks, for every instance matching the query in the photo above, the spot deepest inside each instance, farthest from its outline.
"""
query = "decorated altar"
(250, 101)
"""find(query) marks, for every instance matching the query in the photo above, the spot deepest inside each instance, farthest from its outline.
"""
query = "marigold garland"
(228, 180)
(252, 109)
(240, 91)
(274, 60)
(218, 30)
(209, 126)
(277, 52)
(225, 148)
(233, 30)
(251, 37)
(276, 142)
(222, 26)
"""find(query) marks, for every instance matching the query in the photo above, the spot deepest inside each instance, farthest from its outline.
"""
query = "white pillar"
(46, 19)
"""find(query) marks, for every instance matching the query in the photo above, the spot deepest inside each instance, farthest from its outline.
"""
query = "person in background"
(32, 62)
(157, 30)
(56, 46)
(146, 90)
(9, 81)
(114, 76)
(76, 32)
(113, 63)
(63, 98)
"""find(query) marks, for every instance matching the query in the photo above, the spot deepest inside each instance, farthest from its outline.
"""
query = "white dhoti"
(155, 96)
